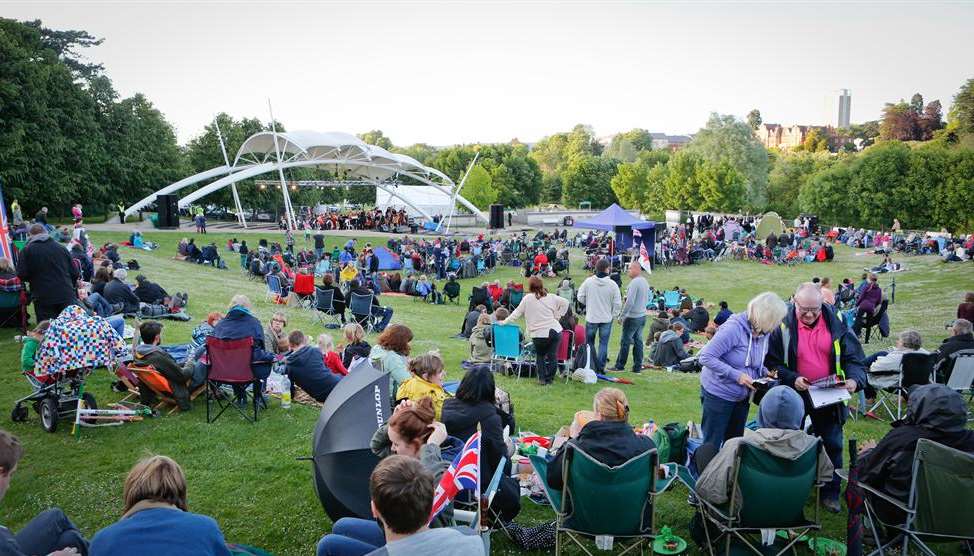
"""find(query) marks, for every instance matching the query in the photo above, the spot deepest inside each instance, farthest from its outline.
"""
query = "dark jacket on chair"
(953, 344)
(240, 323)
(461, 419)
(610, 442)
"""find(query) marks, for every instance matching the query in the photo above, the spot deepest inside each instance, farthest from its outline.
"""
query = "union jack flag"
(463, 474)
(5, 250)
(644, 258)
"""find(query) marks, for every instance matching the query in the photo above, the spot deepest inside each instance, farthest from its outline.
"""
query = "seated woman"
(156, 519)
(411, 432)
(427, 379)
(779, 433)
(609, 438)
(933, 411)
(355, 345)
(275, 335)
(390, 353)
(338, 298)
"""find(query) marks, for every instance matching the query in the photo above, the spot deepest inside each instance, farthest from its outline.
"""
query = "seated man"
(934, 412)
(118, 292)
(961, 338)
(384, 314)
(239, 323)
(306, 367)
(470, 321)
(149, 352)
(780, 434)
(209, 255)
(669, 350)
(699, 317)
(149, 292)
(50, 532)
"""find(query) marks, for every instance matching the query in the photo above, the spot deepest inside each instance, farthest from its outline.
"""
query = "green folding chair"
(939, 507)
(471, 513)
(768, 492)
(602, 500)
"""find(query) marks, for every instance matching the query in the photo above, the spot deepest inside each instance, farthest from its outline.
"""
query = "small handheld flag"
(463, 474)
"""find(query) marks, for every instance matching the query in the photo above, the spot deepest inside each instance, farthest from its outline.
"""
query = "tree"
(827, 194)
(722, 187)
(790, 173)
(962, 110)
(879, 174)
(588, 178)
(376, 137)
(479, 188)
(864, 134)
(916, 103)
(629, 184)
(681, 188)
(625, 147)
(958, 193)
(815, 141)
(727, 138)
(899, 122)
(555, 152)
(754, 119)
(422, 152)
(930, 121)
(551, 188)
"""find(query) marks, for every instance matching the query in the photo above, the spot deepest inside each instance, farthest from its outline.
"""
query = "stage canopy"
(614, 217)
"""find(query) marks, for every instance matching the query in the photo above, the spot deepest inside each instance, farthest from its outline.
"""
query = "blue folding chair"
(324, 307)
(274, 288)
(671, 299)
(361, 308)
(507, 346)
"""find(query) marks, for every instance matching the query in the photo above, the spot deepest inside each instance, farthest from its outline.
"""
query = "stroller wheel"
(19, 414)
(89, 403)
(49, 414)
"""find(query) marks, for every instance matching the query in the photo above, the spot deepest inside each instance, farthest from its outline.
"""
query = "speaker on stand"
(496, 217)
(168, 211)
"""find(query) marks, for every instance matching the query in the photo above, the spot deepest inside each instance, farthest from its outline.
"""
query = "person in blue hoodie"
(239, 323)
(731, 362)
(306, 367)
(724, 314)
(155, 517)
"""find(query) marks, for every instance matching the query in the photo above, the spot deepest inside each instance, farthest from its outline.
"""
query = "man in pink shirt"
(813, 343)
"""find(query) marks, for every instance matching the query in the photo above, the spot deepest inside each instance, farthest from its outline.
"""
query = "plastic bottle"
(604, 542)
(286, 394)
(652, 426)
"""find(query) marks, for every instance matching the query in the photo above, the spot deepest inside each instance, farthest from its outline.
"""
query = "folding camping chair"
(16, 303)
(471, 513)
(507, 346)
(324, 307)
(938, 509)
(768, 492)
(566, 352)
(451, 290)
(671, 299)
(274, 289)
(230, 365)
(962, 376)
(304, 288)
(152, 379)
(915, 368)
(601, 500)
(361, 308)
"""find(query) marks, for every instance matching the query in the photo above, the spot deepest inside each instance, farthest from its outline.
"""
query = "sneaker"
(832, 505)
(615, 370)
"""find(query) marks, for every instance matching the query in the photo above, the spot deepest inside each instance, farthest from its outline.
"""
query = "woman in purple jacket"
(731, 362)
(870, 298)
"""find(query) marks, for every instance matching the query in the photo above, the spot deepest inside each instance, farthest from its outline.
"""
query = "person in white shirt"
(603, 302)
(884, 370)
(541, 313)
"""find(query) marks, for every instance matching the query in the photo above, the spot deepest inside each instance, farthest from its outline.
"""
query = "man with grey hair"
(961, 338)
(813, 343)
(633, 319)
(47, 267)
(118, 292)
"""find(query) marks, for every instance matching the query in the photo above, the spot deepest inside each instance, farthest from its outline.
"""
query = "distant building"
(845, 109)
(776, 136)
(662, 141)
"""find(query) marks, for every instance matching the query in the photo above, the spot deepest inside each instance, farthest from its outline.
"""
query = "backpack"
(133, 264)
(676, 434)
(662, 441)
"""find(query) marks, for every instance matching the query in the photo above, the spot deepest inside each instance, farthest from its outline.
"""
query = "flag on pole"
(5, 249)
(463, 474)
(637, 237)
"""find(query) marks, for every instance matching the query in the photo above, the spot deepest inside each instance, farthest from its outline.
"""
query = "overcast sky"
(454, 72)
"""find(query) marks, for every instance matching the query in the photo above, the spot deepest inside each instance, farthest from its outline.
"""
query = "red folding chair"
(304, 287)
(229, 365)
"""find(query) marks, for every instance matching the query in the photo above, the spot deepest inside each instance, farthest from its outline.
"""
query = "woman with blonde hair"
(156, 519)
(355, 345)
(607, 437)
(731, 362)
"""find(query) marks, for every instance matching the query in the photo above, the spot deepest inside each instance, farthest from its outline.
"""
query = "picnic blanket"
(76, 341)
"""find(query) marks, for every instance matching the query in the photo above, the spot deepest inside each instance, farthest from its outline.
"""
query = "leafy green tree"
(790, 172)
(920, 193)
(916, 103)
(754, 119)
(377, 138)
(828, 195)
(551, 189)
(727, 138)
(723, 188)
(866, 132)
(958, 193)
(588, 178)
(681, 189)
(625, 147)
(879, 173)
(479, 188)
(422, 152)
(815, 141)
(555, 152)
(629, 184)
(962, 110)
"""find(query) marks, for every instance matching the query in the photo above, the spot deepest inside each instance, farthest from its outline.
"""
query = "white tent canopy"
(420, 196)
(342, 152)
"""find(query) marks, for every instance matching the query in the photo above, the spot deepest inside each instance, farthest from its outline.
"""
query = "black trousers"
(546, 350)
(49, 311)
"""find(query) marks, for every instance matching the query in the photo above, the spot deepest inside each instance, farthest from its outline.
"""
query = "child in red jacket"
(332, 359)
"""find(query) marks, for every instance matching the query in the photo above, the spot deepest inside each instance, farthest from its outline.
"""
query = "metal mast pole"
(233, 186)
(456, 191)
(288, 211)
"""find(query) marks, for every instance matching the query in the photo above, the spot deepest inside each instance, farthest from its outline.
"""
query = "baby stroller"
(55, 397)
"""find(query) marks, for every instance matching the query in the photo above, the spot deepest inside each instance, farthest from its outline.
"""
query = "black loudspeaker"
(168, 211)
(496, 216)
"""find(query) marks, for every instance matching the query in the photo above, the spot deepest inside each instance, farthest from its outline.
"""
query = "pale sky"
(457, 72)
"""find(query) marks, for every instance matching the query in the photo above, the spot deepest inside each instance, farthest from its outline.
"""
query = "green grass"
(247, 476)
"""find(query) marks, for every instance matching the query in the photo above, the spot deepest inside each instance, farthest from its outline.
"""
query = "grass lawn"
(247, 476)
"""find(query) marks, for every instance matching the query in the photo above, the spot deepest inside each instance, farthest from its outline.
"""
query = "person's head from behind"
(602, 266)
(140, 279)
(328, 279)
(480, 308)
(477, 386)
(826, 282)
(402, 494)
(120, 274)
(6, 266)
(501, 313)
(960, 327)
(409, 426)
(151, 332)
(429, 366)
(213, 318)
(723, 305)
(677, 327)
(36, 229)
(699, 302)
(873, 279)
(240, 300)
(909, 339)
(969, 297)
(10, 453)
(808, 303)
(611, 404)
(353, 332)
(155, 479)
(536, 286)
(766, 311)
(326, 343)
(296, 339)
(781, 408)
(40, 330)
(396, 338)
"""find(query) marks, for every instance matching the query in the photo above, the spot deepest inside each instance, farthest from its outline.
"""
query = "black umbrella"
(341, 456)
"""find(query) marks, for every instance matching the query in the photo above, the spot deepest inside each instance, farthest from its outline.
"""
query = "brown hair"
(501, 313)
(296, 338)
(10, 451)
(611, 405)
(536, 286)
(327, 279)
(155, 479)
(427, 364)
(402, 492)
(213, 317)
(396, 338)
(413, 423)
(969, 298)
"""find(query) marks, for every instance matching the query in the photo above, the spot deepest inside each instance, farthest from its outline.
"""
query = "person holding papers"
(814, 346)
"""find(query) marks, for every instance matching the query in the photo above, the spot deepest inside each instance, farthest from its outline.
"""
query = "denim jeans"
(722, 419)
(632, 334)
(351, 536)
(48, 532)
(603, 329)
(827, 424)
(99, 304)
(117, 323)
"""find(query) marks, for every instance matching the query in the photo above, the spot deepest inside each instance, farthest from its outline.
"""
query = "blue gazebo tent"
(615, 219)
